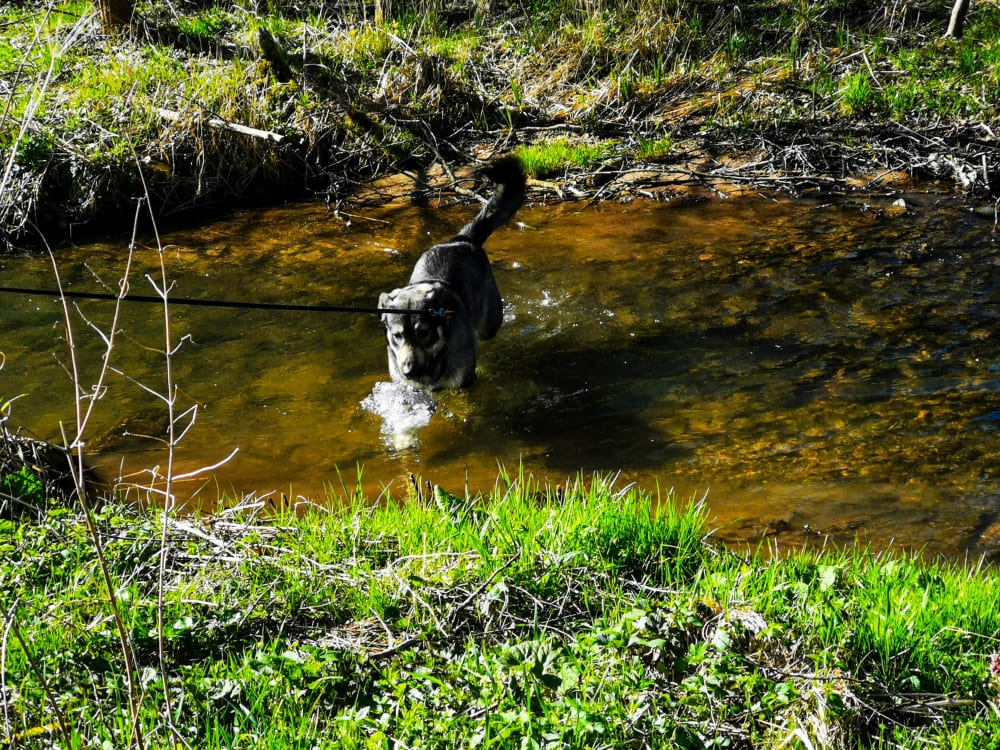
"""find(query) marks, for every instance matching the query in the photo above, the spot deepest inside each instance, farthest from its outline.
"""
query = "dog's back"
(463, 264)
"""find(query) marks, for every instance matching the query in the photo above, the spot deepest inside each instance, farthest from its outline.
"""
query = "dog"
(433, 325)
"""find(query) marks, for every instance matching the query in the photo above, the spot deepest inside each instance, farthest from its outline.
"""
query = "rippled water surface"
(816, 369)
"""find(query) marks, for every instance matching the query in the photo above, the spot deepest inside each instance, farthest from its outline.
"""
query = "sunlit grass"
(654, 149)
(551, 158)
(588, 613)
(205, 26)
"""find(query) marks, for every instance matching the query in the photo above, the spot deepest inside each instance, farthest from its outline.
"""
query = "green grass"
(654, 149)
(579, 616)
(557, 156)
(206, 26)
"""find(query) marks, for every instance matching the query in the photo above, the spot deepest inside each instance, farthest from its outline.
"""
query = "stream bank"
(192, 113)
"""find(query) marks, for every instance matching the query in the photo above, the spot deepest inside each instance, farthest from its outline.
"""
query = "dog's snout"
(409, 363)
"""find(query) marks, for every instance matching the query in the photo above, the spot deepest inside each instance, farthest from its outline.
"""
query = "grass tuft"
(555, 157)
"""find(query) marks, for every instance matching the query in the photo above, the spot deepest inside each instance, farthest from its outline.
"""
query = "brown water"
(815, 369)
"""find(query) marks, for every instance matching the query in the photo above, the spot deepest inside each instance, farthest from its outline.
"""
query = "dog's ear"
(385, 300)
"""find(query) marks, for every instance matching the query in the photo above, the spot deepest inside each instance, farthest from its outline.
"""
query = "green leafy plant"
(24, 486)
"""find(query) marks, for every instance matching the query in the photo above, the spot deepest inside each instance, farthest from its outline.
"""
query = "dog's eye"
(423, 333)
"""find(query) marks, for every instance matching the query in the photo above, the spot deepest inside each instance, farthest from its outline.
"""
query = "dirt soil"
(698, 174)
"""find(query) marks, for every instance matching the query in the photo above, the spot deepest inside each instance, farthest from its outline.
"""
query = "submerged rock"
(990, 540)
(132, 432)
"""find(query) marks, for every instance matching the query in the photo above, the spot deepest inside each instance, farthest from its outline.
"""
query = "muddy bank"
(700, 172)
(702, 167)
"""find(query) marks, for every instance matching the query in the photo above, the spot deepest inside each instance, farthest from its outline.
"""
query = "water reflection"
(825, 366)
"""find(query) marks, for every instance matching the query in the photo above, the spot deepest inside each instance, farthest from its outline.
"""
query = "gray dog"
(452, 295)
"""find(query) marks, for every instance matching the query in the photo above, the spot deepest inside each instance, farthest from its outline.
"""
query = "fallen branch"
(218, 122)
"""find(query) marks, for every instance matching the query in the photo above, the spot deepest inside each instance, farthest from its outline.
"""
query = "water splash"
(404, 412)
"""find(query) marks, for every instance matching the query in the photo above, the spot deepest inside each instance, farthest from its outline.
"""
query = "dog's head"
(418, 340)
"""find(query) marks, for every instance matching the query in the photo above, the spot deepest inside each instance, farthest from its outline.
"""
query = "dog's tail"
(508, 173)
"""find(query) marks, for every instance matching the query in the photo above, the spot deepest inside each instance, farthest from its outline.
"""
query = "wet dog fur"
(453, 296)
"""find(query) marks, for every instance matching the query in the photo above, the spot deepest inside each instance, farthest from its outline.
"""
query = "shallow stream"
(817, 369)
